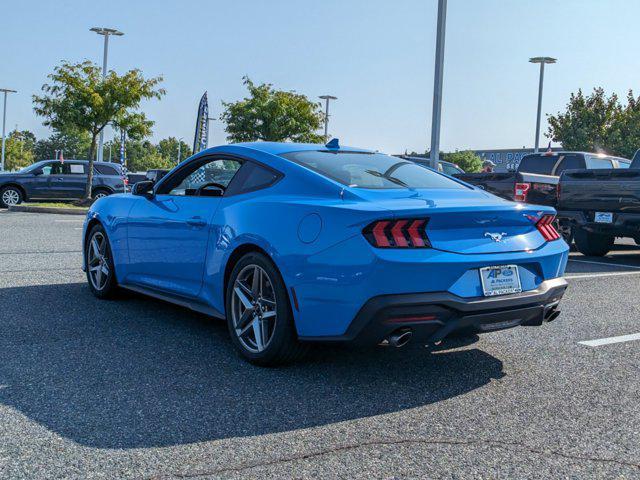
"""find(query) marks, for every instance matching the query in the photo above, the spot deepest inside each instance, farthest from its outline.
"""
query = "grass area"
(52, 205)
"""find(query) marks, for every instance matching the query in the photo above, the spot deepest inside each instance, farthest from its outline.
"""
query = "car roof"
(278, 148)
(75, 160)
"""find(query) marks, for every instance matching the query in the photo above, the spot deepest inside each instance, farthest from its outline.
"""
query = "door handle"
(196, 222)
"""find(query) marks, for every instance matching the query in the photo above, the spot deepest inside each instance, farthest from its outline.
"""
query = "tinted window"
(624, 163)
(544, 164)
(188, 180)
(449, 169)
(596, 162)
(252, 177)
(569, 162)
(106, 170)
(371, 170)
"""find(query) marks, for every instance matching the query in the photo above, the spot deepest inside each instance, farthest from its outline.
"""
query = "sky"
(376, 56)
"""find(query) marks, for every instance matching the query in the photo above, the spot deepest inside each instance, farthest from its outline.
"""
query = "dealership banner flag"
(202, 125)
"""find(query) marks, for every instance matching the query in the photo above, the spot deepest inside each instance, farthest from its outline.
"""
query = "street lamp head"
(543, 60)
(328, 97)
(8, 90)
(106, 31)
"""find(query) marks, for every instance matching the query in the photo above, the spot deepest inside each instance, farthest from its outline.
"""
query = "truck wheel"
(593, 244)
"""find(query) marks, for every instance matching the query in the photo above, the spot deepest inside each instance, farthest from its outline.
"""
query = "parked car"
(55, 180)
(298, 243)
(537, 175)
(447, 168)
(153, 175)
(600, 205)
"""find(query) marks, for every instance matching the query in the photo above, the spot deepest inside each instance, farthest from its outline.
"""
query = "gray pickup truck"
(56, 180)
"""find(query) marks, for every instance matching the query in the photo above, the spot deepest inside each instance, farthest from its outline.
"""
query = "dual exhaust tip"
(399, 338)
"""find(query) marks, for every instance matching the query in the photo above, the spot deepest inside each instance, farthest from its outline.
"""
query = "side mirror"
(144, 188)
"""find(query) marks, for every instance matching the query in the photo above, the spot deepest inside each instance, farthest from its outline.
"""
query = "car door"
(168, 232)
(36, 182)
(68, 180)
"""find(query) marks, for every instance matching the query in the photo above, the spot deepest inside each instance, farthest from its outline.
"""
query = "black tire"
(107, 287)
(282, 346)
(592, 244)
(10, 195)
(100, 193)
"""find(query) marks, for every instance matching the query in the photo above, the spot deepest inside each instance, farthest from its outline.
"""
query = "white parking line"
(605, 264)
(609, 340)
(595, 275)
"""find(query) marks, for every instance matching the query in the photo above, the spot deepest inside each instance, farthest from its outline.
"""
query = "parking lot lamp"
(542, 61)
(326, 98)
(106, 32)
(4, 122)
(437, 85)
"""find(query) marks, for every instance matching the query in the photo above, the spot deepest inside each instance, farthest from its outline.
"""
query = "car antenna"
(333, 143)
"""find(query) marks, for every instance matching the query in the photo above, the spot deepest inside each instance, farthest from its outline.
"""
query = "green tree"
(19, 150)
(73, 144)
(143, 155)
(79, 99)
(624, 134)
(587, 122)
(466, 160)
(168, 148)
(272, 115)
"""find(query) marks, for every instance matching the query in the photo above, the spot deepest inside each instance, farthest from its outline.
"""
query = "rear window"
(550, 164)
(371, 170)
(106, 170)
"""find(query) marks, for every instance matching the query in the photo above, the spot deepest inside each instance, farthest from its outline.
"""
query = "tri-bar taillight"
(546, 228)
(400, 233)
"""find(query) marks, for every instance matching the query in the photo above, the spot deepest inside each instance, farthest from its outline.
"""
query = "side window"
(56, 168)
(219, 171)
(594, 162)
(106, 170)
(252, 177)
(75, 169)
(450, 169)
(569, 162)
(47, 168)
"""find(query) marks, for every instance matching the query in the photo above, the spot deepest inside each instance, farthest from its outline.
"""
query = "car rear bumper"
(433, 316)
(623, 225)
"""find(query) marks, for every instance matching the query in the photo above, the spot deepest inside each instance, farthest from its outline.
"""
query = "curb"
(61, 211)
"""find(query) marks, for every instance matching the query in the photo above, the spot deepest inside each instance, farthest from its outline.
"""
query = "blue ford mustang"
(294, 243)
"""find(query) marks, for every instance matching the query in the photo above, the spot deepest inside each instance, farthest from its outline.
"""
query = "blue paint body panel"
(311, 228)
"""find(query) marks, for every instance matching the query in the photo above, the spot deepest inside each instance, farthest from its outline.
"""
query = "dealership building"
(508, 158)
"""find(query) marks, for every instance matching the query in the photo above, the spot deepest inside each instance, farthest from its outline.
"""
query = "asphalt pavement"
(138, 388)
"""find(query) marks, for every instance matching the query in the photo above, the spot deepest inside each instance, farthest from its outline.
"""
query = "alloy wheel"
(11, 197)
(253, 308)
(98, 264)
(99, 195)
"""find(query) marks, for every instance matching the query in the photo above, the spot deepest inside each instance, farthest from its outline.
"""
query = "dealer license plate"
(603, 217)
(500, 280)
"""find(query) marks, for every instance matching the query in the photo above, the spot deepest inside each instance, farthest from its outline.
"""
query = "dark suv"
(52, 179)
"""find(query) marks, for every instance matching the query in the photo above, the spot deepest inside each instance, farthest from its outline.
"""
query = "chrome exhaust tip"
(400, 338)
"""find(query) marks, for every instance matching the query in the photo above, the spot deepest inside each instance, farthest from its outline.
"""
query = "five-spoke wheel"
(99, 263)
(259, 315)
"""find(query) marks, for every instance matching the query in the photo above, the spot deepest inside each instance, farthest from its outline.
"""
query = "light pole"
(4, 122)
(106, 32)
(437, 85)
(326, 98)
(542, 61)
(180, 146)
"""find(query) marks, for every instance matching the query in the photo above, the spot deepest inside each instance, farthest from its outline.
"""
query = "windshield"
(31, 167)
(371, 170)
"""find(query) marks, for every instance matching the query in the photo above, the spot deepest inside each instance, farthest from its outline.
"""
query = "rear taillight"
(520, 192)
(403, 233)
(547, 229)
